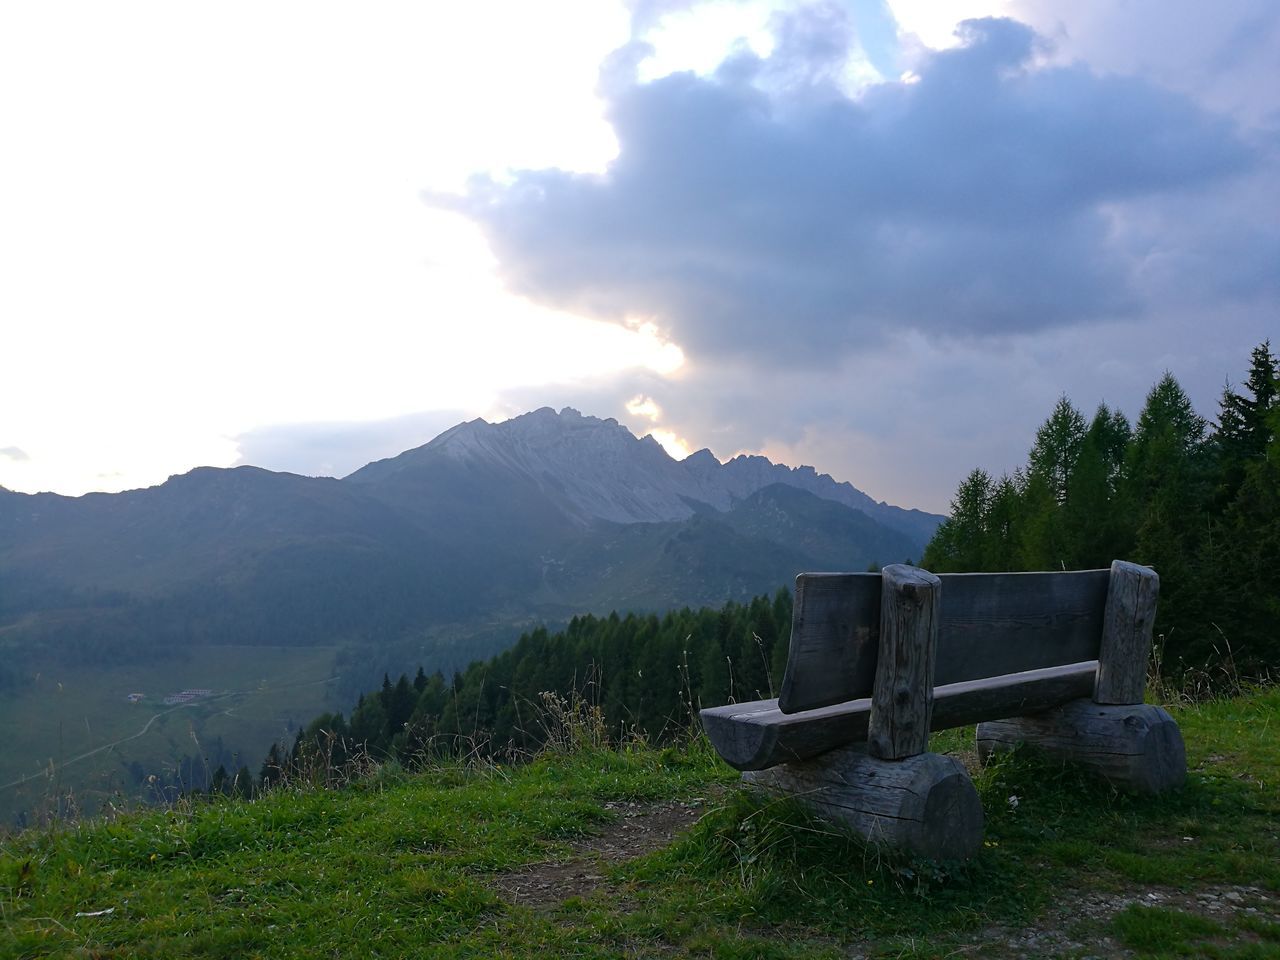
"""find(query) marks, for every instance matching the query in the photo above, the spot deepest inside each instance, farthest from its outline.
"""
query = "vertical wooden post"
(1126, 633)
(902, 699)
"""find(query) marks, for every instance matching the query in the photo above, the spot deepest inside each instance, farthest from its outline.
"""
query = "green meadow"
(551, 858)
(73, 740)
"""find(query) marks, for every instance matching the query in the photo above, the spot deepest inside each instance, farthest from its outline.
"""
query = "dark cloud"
(762, 213)
(16, 454)
(337, 449)
(1222, 54)
(907, 421)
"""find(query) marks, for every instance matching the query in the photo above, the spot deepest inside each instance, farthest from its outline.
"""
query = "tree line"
(636, 675)
(1198, 500)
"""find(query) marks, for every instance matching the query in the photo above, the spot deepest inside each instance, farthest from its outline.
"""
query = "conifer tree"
(272, 768)
(1167, 488)
(1057, 446)
(1248, 466)
(958, 543)
(1243, 431)
(1045, 540)
(1097, 526)
(243, 786)
(1000, 537)
(219, 784)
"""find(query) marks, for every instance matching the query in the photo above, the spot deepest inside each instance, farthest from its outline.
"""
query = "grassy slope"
(406, 866)
(51, 723)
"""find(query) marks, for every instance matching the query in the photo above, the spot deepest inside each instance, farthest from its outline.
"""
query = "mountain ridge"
(542, 442)
(540, 516)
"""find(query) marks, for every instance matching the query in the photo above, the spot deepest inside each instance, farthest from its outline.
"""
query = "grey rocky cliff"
(598, 470)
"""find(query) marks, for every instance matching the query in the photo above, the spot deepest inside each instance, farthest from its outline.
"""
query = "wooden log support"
(1126, 633)
(902, 697)
(925, 804)
(1137, 747)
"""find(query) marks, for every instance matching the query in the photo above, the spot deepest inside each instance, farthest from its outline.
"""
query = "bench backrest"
(991, 625)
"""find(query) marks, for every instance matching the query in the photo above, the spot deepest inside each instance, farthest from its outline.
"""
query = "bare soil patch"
(639, 828)
(1078, 924)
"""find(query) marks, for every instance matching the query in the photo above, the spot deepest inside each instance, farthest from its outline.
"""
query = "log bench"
(878, 660)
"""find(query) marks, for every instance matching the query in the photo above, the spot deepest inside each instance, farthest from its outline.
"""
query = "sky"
(878, 238)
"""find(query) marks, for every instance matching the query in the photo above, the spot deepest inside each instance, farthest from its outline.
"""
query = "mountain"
(539, 516)
(598, 470)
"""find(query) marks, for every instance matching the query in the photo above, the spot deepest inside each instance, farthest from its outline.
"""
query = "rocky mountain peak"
(597, 469)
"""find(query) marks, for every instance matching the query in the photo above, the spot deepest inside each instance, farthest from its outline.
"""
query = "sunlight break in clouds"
(642, 406)
(673, 444)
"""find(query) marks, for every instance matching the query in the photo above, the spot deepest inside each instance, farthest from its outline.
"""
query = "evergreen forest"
(1197, 500)
(632, 677)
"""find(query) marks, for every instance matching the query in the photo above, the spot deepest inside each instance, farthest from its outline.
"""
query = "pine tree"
(1057, 446)
(959, 541)
(1096, 523)
(1050, 465)
(1248, 466)
(1167, 488)
(1000, 538)
(243, 786)
(272, 768)
(1243, 431)
(400, 703)
(219, 784)
(369, 726)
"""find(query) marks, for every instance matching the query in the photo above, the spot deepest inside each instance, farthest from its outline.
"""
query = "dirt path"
(638, 829)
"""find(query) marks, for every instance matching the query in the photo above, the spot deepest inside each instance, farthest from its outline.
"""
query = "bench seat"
(757, 735)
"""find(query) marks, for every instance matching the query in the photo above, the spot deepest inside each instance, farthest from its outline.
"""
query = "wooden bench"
(877, 660)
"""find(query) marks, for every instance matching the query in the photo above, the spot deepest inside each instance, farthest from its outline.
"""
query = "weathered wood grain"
(998, 623)
(991, 624)
(902, 697)
(925, 804)
(1126, 633)
(835, 630)
(1137, 747)
(757, 735)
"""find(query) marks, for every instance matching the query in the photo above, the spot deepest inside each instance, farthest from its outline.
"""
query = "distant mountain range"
(537, 518)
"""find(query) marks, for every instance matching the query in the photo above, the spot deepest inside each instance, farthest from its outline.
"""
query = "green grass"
(49, 725)
(411, 865)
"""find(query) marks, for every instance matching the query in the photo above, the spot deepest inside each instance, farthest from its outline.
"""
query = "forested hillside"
(1197, 500)
(635, 674)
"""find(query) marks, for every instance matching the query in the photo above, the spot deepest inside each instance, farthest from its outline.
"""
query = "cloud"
(895, 284)
(907, 421)
(1221, 54)
(763, 213)
(15, 454)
